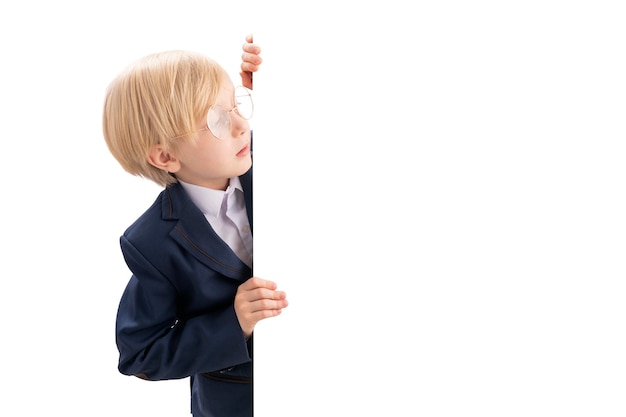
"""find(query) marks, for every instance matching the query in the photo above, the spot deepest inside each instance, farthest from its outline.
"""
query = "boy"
(190, 306)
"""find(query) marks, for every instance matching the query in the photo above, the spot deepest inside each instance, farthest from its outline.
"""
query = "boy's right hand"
(257, 299)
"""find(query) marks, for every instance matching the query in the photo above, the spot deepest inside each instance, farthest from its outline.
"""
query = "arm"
(155, 342)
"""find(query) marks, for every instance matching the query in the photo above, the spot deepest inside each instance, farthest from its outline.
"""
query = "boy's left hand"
(250, 61)
(257, 299)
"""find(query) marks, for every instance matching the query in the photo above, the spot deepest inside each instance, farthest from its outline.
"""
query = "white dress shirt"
(226, 213)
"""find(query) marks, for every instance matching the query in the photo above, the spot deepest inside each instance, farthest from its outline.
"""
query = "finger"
(248, 67)
(251, 58)
(258, 294)
(251, 48)
(267, 305)
(264, 314)
(256, 282)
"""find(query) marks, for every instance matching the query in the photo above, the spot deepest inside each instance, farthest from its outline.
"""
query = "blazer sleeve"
(156, 343)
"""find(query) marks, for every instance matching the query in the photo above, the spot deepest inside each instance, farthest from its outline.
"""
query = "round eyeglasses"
(218, 118)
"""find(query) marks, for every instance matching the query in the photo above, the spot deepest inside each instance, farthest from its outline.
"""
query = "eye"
(217, 116)
(218, 121)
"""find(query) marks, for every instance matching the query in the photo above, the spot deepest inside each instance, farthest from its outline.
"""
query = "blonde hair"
(157, 101)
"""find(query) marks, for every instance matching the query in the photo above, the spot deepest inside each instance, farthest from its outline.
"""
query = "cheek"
(196, 153)
(211, 155)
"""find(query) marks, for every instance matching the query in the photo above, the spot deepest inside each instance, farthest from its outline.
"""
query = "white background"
(439, 189)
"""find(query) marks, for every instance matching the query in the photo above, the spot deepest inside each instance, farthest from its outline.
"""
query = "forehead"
(212, 91)
(225, 97)
(226, 92)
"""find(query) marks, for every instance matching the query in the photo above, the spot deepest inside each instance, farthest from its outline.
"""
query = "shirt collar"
(209, 201)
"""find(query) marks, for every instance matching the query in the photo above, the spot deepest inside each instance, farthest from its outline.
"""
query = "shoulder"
(160, 217)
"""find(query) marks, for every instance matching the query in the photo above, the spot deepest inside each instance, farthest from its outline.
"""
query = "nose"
(239, 125)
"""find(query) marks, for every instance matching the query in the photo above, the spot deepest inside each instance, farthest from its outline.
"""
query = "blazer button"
(227, 370)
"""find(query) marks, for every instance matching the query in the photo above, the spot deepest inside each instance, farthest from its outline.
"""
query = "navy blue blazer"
(176, 317)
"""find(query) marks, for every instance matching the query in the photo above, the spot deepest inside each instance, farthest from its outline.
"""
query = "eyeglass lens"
(218, 118)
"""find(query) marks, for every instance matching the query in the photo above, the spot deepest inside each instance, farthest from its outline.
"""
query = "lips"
(244, 151)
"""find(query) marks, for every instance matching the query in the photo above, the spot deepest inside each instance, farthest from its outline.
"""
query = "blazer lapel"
(246, 184)
(194, 233)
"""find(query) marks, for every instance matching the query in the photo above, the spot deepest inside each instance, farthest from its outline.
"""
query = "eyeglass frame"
(206, 118)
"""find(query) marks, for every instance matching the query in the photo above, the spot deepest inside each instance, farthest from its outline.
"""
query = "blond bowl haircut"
(158, 100)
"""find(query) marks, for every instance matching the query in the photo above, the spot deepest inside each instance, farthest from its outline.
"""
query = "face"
(209, 161)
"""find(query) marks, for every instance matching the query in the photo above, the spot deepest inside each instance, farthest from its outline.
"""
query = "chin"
(246, 164)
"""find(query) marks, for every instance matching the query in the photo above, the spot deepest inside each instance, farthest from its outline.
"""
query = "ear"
(163, 160)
